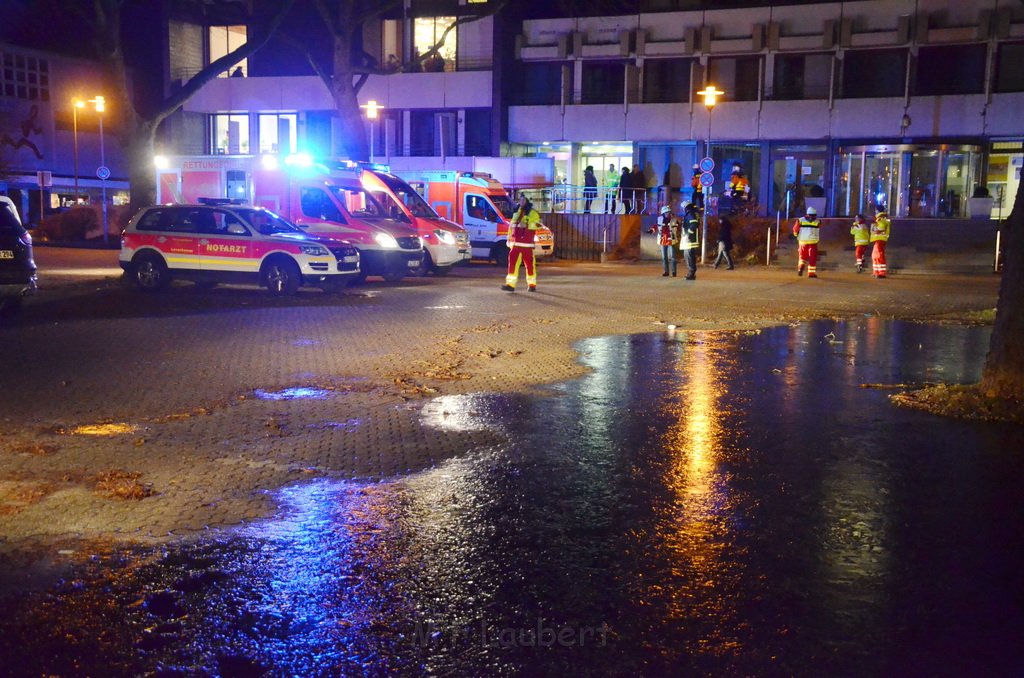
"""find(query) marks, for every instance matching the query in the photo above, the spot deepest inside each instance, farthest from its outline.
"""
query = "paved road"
(195, 403)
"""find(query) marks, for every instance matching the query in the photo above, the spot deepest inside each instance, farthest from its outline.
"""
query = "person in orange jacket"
(806, 231)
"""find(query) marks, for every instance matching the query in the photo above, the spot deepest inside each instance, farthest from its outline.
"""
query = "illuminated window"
(225, 39)
(427, 33)
(230, 133)
(278, 133)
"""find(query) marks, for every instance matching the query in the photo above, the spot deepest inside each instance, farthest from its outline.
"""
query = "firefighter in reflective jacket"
(689, 240)
(806, 230)
(861, 239)
(879, 236)
(521, 232)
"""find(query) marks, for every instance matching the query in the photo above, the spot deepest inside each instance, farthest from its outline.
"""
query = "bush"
(82, 223)
(749, 236)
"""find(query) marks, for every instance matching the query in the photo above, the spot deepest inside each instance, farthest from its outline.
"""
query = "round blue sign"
(707, 164)
(706, 179)
(103, 172)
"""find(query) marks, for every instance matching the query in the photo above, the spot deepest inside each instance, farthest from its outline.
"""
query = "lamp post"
(710, 94)
(76, 103)
(102, 171)
(372, 107)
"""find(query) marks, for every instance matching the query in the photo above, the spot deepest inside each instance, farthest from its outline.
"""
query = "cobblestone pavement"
(128, 416)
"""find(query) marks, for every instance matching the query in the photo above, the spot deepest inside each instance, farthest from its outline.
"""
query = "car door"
(226, 244)
(480, 219)
(178, 238)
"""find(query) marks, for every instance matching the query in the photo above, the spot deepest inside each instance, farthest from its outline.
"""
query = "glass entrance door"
(914, 181)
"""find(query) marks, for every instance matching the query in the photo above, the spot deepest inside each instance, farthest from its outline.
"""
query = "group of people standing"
(682, 232)
(807, 230)
(629, 187)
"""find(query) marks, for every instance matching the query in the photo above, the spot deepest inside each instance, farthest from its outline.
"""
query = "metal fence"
(573, 199)
(582, 237)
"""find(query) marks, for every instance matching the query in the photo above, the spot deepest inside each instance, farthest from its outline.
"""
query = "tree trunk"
(140, 154)
(353, 141)
(1003, 375)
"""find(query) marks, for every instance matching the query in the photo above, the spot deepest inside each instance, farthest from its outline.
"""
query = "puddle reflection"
(697, 504)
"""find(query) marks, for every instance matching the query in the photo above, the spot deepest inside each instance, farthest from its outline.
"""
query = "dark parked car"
(17, 267)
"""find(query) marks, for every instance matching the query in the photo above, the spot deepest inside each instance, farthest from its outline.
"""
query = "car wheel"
(393, 275)
(426, 266)
(150, 273)
(281, 277)
(500, 254)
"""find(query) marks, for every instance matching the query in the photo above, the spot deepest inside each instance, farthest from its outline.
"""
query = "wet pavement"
(699, 503)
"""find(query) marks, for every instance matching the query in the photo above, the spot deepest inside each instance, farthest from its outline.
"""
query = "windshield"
(266, 222)
(413, 200)
(359, 203)
(390, 205)
(504, 203)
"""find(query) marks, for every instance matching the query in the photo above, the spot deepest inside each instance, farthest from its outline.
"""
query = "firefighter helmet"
(666, 209)
(811, 212)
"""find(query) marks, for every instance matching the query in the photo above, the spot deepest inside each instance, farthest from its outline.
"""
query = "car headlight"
(445, 236)
(315, 250)
(386, 240)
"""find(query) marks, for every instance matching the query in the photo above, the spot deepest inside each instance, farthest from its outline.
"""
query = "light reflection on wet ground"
(698, 504)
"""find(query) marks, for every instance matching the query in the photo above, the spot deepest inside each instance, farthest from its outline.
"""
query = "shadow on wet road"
(698, 504)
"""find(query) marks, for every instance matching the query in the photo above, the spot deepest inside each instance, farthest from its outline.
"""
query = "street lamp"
(76, 103)
(372, 107)
(102, 171)
(710, 94)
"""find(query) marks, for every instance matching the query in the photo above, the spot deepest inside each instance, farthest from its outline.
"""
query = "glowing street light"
(76, 103)
(372, 107)
(710, 94)
(103, 172)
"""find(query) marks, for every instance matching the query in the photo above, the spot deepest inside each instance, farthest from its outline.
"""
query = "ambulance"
(445, 243)
(327, 200)
(479, 203)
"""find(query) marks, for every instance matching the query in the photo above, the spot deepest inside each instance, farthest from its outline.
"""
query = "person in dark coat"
(589, 188)
(626, 190)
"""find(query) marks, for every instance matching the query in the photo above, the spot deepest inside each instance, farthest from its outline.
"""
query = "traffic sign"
(707, 164)
(706, 179)
(103, 172)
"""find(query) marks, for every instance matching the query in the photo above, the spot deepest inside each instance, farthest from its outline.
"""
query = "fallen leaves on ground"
(963, 402)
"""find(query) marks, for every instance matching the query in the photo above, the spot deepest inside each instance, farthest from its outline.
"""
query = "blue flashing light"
(269, 162)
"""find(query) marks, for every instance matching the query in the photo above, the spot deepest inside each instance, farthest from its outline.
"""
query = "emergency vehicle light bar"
(220, 201)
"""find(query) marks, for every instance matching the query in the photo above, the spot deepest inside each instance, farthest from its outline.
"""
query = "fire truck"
(325, 199)
(480, 204)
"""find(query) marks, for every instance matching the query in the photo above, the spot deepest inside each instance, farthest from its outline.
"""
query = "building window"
(739, 77)
(230, 133)
(478, 132)
(604, 82)
(874, 73)
(666, 81)
(24, 77)
(432, 133)
(226, 39)
(1009, 74)
(278, 132)
(802, 76)
(951, 69)
(429, 31)
(538, 84)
